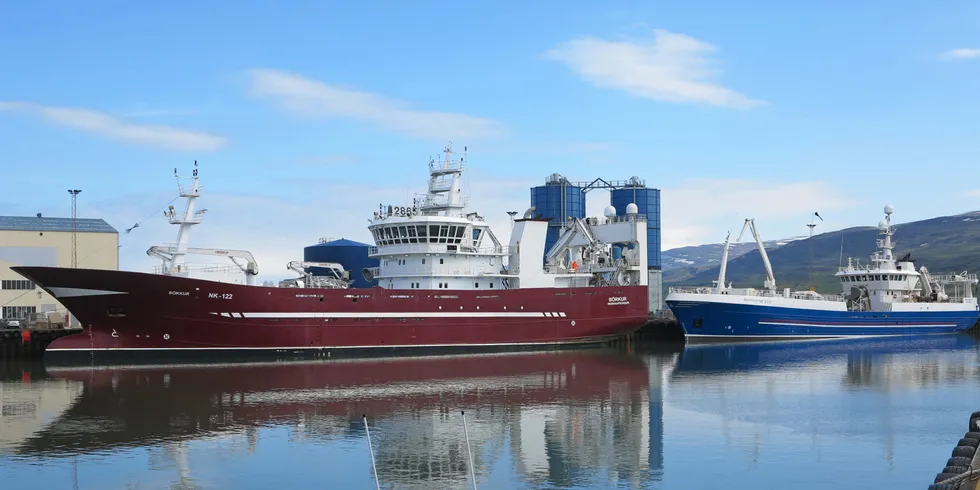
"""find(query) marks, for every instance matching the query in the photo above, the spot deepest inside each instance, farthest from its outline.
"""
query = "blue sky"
(305, 115)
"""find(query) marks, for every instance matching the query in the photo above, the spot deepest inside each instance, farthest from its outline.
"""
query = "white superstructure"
(436, 244)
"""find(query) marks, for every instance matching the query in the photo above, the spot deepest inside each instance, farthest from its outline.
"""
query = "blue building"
(558, 199)
(352, 255)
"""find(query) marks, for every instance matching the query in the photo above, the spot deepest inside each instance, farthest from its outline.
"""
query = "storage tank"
(348, 253)
(647, 201)
(557, 200)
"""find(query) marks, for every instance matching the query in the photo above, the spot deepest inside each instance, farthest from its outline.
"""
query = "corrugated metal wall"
(648, 203)
(557, 202)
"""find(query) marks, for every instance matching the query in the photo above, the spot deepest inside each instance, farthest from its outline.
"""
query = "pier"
(29, 342)
(962, 471)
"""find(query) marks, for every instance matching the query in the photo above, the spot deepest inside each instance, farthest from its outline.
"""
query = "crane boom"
(750, 225)
(168, 253)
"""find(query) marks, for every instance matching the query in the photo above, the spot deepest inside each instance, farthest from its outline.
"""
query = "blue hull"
(726, 320)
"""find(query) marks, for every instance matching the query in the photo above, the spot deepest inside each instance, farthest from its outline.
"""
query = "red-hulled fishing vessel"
(445, 282)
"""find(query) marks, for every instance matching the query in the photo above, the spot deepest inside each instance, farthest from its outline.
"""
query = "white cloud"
(315, 98)
(105, 125)
(670, 67)
(701, 210)
(961, 54)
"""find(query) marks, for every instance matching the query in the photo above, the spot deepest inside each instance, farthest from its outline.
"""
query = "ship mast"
(190, 194)
(884, 254)
(444, 186)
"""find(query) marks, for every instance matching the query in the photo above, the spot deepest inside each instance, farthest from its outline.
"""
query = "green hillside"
(944, 245)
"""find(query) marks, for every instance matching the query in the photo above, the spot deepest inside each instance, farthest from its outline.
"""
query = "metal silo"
(647, 201)
(352, 255)
(557, 200)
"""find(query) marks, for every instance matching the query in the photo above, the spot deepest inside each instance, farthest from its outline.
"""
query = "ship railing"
(624, 219)
(587, 267)
(435, 248)
(763, 293)
(954, 278)
(452, 166)
(192, 267)
(435, 271)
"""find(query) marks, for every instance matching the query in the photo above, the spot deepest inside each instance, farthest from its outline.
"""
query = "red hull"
(132, 311)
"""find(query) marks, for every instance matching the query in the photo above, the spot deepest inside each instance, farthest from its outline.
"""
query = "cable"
(130, 229)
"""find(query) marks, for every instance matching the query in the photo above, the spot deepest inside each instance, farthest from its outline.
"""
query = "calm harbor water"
(828, 414)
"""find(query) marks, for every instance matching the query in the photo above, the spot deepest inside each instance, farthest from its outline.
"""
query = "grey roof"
(33, 223)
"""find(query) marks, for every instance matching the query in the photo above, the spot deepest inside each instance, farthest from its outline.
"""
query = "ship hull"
(130, 312)
(731, 318)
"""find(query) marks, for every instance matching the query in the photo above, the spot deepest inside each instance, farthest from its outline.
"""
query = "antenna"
(812, 224)
(74, 227)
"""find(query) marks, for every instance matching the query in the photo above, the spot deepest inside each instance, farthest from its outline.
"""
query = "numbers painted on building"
(219, 295)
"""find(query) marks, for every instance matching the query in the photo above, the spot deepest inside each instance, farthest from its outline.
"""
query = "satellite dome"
(882, 225)
(889, 209)
(609, 212)
(632, 209)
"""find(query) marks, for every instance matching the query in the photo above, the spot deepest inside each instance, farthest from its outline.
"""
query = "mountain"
(684, 262)
(944, 245)
(710, 254)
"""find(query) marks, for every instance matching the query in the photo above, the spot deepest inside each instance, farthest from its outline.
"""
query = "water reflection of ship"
(736, 385)
(562, 414)
(733, 359)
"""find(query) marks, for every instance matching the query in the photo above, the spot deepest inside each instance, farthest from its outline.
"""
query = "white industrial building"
(43, 241)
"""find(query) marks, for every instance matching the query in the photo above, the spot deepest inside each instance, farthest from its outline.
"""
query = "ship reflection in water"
(825, 414)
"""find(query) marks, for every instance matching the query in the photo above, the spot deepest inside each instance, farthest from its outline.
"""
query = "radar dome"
(889, 209)
(609, 212)
(632, 209)
(882, 225)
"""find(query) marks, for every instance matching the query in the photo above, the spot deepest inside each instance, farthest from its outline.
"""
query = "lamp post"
(74, 227)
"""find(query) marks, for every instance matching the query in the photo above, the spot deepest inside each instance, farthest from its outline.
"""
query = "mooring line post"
(374, 467)
(469, 452)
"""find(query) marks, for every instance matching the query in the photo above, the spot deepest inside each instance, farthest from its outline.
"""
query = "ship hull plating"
(713, 319)
(129, 312)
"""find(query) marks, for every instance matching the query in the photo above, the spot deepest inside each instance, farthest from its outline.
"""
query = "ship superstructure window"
(18, 284)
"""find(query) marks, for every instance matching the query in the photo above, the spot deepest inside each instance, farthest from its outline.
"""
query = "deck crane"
(338, 278)
(770, 282)
(169, 253)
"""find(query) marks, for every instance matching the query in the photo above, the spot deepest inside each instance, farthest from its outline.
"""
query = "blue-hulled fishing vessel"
(886, 297)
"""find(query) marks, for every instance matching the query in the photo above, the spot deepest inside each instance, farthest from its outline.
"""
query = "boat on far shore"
(885, 297)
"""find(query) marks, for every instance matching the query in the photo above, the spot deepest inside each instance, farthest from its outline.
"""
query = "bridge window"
(433, 233)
